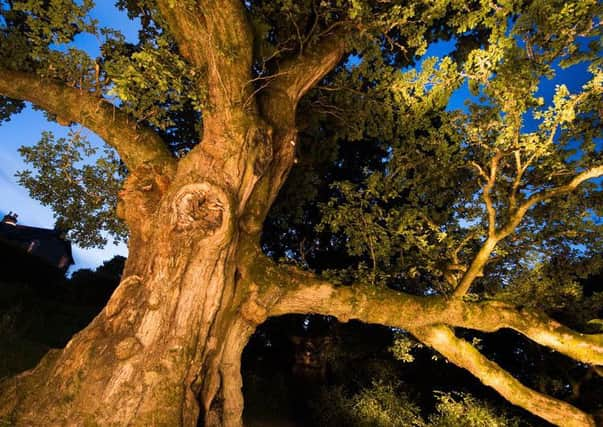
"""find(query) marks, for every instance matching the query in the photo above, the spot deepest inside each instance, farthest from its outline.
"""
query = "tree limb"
(476, 268)
(303, 292)
(296, 291)
(300, 292)
(454, 256)
(278, 102)
(494, 236)
(188, 29)
(519, 171)
(463, 354)
(480, 260)
(488, 190)
(215, 34)
(299, 73)
(135, 144)
(542, 196)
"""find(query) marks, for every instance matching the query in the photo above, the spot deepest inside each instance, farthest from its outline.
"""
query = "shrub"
(463, 410)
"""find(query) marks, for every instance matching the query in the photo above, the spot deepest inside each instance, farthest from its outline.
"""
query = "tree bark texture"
(161, 341)
(167, 347)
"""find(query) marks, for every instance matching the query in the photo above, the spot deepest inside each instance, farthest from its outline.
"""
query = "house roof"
(48, 244)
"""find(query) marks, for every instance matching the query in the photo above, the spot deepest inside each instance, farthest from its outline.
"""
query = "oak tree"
(321, 123)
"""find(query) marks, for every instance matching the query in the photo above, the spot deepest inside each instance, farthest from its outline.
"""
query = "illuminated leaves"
(154, 81)
(78, 183)
(420, 218)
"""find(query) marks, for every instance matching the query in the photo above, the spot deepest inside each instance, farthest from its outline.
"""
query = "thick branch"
(297, 75)
(135, 144)
(487, 193)
(296, 291)
(519, 171)
(188, 29)
(463, 354)
(477, 265)
(216, 34)
(278, 103)
(302, 292)
(476, 268)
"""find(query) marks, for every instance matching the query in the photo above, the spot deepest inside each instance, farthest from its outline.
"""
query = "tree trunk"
(167, 347)
(168, 339)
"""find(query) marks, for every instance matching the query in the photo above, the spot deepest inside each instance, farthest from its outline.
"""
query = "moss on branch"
(303, 292)
(465, 355)
(430, 319)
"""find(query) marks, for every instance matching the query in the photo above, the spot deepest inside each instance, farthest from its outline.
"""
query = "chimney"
(10, 218)
(60, 227)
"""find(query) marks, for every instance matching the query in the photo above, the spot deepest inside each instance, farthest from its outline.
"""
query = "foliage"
(82, 195)
(403, 346)
(415, 216)
(398, 214)
(9, 107)
(377, 405)
(463, 410)
(154, 84)
(29, 29)
(394, 186)
(381, 404)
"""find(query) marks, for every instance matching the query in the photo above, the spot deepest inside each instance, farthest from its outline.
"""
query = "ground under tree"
(452, 218)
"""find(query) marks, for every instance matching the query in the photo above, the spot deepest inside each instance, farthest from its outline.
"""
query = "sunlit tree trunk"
(166, 350)
(167, 346)
(145, 360)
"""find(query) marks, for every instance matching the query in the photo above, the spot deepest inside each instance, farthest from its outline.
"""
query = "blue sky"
(26, 128)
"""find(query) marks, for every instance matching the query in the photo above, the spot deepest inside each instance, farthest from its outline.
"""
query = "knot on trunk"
(203, 208)
(254, 313)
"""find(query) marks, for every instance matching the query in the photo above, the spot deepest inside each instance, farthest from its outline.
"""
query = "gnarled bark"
(301, 292)
(162, 333)
(168, 344)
